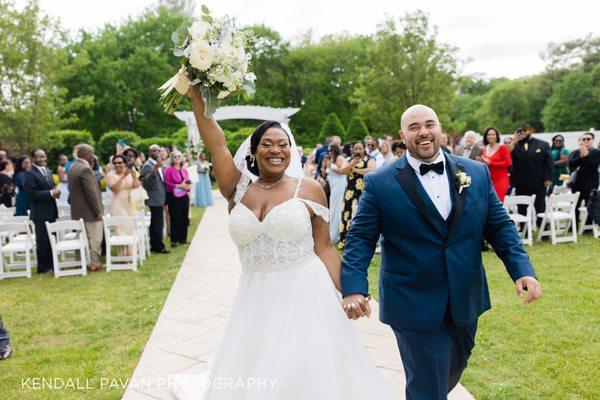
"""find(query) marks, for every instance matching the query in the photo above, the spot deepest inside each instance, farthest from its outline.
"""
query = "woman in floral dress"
(356, 167)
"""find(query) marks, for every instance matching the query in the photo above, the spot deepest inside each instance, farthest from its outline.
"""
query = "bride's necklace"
(272, 185)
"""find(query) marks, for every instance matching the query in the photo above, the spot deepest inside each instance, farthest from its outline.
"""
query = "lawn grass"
(549, 349)
(84, 328)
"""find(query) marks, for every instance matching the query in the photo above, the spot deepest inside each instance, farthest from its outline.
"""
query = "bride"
(287, 337)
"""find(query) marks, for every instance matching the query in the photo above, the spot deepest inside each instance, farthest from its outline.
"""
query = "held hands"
(356, 306)
(531, 285)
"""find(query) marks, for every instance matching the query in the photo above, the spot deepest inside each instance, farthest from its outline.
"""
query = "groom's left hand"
(531, 285)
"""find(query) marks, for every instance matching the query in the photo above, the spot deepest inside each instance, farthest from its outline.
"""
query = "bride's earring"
(253, 161)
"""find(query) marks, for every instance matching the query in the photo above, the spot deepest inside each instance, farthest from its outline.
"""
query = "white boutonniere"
(463, 180)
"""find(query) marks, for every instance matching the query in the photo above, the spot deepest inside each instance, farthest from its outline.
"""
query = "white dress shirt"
(152, 161)
(44, 172)
(436, 185)
(379, 160)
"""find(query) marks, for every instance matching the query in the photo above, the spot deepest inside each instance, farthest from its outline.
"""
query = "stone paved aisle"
(193, 319)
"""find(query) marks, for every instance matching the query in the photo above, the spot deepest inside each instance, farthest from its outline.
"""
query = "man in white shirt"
(372, 148)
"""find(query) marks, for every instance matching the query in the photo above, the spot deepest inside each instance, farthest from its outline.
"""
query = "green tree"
(331, 127)
(62, 142)
(121, 67)
(575, 103)
(407, 65)
(108, 141)
(357, 130)
(32, 61)
(512, 103)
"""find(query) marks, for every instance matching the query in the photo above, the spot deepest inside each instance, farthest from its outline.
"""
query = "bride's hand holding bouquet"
(213, 56)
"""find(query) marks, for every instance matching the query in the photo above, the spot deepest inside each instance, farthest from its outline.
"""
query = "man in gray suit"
(469, 149)
(86, 201)
(153, 181)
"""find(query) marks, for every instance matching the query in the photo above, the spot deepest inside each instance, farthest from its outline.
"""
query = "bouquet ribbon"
(179, 82)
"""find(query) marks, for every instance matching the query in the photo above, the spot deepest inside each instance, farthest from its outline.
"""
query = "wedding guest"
(7, 185)
(121, 182)
(42, 200)
(310, 166)
(3, 155)
(178, 199)
(302, 156)
(322, 152)
(153, 181)
(203, 188)
(508, 141)
(584, 163)
(386, 151)
(164, 155)
(497, 157)
(63, 184)
(355, 167)
(73, 158)
(132, 157)
(398, 148)
(22, 201)
(447, 144)
(337, 185)
(560, 156)
(469, 149)
(86, 201)
(5, 348)
(373, 152)
(532, 167)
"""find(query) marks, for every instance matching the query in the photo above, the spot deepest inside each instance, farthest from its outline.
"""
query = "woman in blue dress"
(22, 201)
(203, 190)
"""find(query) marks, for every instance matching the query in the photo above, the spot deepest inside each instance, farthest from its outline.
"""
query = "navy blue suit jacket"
(428, 263)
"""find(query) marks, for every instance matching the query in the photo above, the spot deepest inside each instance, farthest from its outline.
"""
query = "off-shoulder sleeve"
(318, 209)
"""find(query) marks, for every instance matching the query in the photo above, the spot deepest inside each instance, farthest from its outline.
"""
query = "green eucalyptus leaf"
(175, 38)
(205, 9)
(178, 52)
(207, 18)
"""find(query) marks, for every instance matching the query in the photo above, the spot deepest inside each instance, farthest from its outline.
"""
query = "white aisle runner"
(192, 322)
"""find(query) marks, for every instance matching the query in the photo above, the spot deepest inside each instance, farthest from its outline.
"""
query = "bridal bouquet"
(213, 54)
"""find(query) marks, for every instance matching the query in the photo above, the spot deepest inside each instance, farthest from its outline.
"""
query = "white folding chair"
(68, 241)
(23, 236)
(112, 239)
(561, 189)
(19, 253)
(147, 219)
(141, 234)
(560, 217)
(524, 223)
(64, 209)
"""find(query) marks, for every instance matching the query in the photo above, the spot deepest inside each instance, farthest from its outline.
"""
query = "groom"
(432, 283)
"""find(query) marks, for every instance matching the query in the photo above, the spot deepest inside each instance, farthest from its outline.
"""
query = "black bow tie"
(438, 168)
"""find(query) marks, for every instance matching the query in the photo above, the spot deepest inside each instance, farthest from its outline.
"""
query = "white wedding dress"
(287, 337)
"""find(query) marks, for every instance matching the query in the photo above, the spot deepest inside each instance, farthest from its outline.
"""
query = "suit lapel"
(458, 207)
(409, 182)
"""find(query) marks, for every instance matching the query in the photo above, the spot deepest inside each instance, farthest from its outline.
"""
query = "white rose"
(202, 55)
(250, 76)
(222, 94)
(199, 29)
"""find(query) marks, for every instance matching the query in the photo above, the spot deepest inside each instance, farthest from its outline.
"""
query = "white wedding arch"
(261, 113)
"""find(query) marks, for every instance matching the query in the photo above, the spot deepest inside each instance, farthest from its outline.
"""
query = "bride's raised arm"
(213, 137)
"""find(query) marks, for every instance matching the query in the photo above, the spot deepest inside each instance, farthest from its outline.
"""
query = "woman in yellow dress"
(356, 167)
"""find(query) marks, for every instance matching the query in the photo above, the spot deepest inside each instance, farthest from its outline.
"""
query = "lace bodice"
(283, 240)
